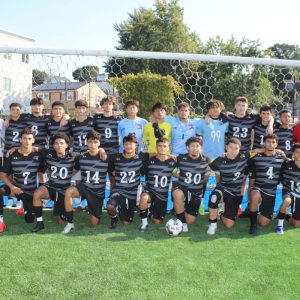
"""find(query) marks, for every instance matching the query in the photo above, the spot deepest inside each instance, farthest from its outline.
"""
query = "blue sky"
(69, 24)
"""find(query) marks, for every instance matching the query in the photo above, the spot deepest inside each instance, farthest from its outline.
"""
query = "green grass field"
(97, 263)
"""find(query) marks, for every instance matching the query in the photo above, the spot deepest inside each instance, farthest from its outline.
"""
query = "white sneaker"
(185, 227)
(10, 203)
(68, 228)
(212, 229)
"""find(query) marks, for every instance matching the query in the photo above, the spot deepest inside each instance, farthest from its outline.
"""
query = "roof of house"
(2, 30)
(106, 87)
(59, 86)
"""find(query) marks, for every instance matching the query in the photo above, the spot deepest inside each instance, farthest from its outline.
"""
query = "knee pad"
(214, 199)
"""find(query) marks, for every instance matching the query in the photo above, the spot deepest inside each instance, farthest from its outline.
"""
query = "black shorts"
(125, 206)
(192, 200)
(94, 201)
(27, 203)
(158, 208)
(295, 204)
(58, 197)
(267, 205)
(231, 204)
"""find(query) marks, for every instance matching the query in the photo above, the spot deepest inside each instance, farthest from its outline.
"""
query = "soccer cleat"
(113, 222)
(68, 228)
(279, 230)
(212, 229)
(143, 228)
(252, 229)
(38, 226)
(20, 211)
(185, 227)
(2, 227)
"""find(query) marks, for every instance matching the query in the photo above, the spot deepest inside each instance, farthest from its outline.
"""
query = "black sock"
(144, 213)
(1, 206)
(280, 215)
(69, 216)
(181, 217)
(253, 217)
(38, 210)
(287, 217)
(213, 220)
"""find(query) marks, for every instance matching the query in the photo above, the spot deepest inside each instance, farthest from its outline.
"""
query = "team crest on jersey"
(139, 126)
(191, 127)
(35, 158)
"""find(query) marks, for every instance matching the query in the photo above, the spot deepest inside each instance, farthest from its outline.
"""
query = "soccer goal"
(69, 75)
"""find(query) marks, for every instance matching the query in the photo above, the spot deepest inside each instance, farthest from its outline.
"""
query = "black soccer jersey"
(266, 172)
(231, 172)
(241, 128)
(192, 172)
(285, 136)
(259, 133)
(13, 134)
(59, 169)
(24, 170)
(39, 126)
(93, 172)
(158, 177)
(79, 131)
(290, 174)
(127, 173)
(108, 128)
(54, 127)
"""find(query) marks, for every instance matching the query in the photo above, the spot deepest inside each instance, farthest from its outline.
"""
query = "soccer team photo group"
(148, 164)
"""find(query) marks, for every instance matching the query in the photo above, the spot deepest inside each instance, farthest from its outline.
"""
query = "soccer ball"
(174, 227)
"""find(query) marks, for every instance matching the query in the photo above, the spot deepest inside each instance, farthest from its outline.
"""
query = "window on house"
(6, 84)
(25, 58)
(7, 56)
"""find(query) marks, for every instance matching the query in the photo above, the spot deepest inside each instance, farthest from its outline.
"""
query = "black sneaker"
(245, 213)
(252, 229)
(113, 222)
(38, 226)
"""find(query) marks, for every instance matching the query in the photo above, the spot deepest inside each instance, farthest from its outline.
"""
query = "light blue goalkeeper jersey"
(213, 135)
(181, 132)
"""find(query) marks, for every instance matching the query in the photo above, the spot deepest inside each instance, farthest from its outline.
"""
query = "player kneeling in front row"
(93, 170)
(290, 173)
(158, 178)
(265, 170)
(59, 163)
(187, 191)
(23, 166)
(126, 168)
(230, 170)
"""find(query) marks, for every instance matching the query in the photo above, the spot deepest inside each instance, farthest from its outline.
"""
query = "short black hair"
(62, 136)
(80, 103)
(37, 100)
(58, 103)
(265, 108)
(131, 137)
(194, 139)
(284, 111)
(214, 103)
(15, 104)
(162, 140)
(159, 105)
(271, 136)
(27, 131)
(295, 146)
(93, 135)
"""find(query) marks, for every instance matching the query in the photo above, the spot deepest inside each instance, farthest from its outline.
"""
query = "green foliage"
(160, 29)
(86, 73)
(148, 88)
(99, 263)
(39, 77)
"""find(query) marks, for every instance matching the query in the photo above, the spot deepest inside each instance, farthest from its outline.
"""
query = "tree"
(148, 88)
(86, 73)
(160, 29)
(39, 77)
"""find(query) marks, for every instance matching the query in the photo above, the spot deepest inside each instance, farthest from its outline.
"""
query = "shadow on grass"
(197, 232)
